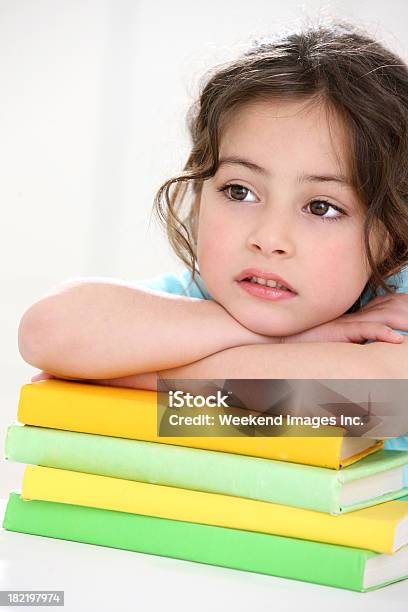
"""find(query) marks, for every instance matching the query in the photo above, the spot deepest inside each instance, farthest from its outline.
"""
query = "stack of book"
(328, 510)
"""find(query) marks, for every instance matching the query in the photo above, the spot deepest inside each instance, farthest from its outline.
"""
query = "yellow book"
(381, 528)
(133, 413)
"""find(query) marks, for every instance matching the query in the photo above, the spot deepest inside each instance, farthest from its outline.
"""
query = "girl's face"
(281, 203)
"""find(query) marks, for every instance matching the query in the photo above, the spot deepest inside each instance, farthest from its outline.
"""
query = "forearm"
(100, 329)
(329, 360)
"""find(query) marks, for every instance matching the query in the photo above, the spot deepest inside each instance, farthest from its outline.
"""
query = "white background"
(93, 97)
(97, 578)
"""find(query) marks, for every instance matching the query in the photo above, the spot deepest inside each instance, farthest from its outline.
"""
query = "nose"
(272, 232)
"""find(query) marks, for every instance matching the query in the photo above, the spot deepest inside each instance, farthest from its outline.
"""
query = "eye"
(323, 207)
(235, 192)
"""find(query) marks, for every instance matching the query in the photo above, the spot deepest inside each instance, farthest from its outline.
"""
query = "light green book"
(372, 480)
(339, 566)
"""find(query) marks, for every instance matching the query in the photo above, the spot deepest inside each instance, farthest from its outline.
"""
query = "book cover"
(327, 564)
(132, 413)
(281, 482)
(381, 528)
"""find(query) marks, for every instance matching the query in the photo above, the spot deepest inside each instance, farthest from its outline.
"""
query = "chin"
(270, 328)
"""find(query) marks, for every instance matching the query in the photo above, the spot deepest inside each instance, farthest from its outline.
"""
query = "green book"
(339, 566)
(372, 480)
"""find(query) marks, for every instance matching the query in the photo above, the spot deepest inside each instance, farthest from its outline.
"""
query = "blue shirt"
(180, 284)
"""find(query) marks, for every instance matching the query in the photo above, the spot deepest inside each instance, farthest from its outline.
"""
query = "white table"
(97, 578)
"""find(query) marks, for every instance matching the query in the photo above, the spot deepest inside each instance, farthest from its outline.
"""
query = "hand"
(46, 375)
(41, 376)
(146, 381)
(373, 322)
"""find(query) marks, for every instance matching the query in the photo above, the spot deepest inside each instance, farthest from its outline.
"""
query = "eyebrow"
(309, 178)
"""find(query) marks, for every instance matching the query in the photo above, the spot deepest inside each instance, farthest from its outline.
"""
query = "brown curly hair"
(365, 83)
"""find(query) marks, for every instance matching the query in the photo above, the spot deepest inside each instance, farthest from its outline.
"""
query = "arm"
(110, 330)
(326, 360)
(102, 328)
(302, 361)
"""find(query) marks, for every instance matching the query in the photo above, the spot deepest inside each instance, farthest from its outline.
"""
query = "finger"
(395, 317)
(377, 332)
(392, 335)
(41, 376)
(37, 377)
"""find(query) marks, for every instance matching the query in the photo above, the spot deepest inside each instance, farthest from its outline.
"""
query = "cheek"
(216, 255)
(215, 240)
(341, 274)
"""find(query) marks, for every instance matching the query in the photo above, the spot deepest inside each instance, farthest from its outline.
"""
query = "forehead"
(304, 133)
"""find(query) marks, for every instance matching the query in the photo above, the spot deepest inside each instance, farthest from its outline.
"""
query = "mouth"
(266, 283)
(265, 279)
(266, 292)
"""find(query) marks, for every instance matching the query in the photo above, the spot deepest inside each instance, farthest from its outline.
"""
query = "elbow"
(36, 335)
(43, 330)
(57, 334)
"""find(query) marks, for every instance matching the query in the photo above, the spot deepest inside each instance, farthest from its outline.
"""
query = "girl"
(291, 216)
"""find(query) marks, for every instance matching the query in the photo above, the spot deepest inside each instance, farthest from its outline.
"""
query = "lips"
(248, 273)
